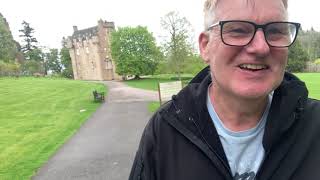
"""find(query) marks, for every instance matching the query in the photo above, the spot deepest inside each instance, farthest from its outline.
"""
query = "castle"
(90, 52)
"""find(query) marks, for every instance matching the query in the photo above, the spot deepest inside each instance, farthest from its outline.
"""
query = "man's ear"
(203, 46)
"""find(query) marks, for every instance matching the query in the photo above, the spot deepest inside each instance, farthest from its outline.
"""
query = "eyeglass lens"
(278, 34)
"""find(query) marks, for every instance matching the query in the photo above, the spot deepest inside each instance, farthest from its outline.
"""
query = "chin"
(253, 93)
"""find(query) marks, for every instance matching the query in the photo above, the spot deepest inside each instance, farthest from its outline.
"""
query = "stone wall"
(91, 53)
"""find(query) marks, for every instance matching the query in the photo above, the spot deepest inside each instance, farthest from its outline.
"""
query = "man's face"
(227, 62)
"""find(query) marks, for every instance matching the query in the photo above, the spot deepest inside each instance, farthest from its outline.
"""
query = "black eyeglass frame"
(256, 27)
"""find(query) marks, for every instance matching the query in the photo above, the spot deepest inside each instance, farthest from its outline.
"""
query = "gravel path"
(104, 147)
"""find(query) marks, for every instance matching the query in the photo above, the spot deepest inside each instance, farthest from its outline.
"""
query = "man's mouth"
(253, 67)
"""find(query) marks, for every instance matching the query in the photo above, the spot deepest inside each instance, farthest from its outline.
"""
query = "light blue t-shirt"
(244, 149)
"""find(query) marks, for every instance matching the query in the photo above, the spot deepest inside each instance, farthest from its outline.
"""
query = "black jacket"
(180, 141)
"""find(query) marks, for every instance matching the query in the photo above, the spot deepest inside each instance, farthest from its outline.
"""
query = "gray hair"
(209, 11)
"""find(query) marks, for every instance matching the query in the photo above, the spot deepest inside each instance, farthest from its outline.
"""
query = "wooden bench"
(98, 97)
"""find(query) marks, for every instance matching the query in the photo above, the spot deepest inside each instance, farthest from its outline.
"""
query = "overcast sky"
(53, 19)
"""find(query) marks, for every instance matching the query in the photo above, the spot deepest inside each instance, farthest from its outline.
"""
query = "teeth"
(253, 66)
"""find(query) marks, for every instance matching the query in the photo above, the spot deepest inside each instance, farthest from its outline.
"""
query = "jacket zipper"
(203, 139)
(216, 154)
(227, 174)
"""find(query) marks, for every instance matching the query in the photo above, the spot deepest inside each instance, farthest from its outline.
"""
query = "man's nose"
(258, 45)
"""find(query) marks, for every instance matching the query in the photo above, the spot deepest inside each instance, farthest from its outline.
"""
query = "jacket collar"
(287, 104)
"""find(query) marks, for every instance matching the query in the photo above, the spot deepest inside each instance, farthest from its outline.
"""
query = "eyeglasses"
(241, 33)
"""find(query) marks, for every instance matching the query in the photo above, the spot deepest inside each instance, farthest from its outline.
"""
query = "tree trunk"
(137, 77)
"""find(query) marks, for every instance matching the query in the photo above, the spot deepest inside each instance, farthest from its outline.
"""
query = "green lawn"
(312, 81)
(153, 106)
(37, 115)
(151, 82)
(146, 83)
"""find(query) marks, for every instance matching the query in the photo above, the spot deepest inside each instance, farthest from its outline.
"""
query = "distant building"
(90, 51)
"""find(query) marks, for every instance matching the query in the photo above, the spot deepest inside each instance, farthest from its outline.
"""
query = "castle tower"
(90, 51)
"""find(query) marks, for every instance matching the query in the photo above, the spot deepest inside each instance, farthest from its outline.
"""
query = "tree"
(37, 55)
(178, 43)
(297, 58)
(134, 51)
(31, 67)
(310, 41)
(29, 40)
(194, 64)
(53, 62)
(66, 63)
(8, 49)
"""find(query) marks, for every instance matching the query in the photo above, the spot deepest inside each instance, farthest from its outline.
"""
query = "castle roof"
(92, 31)
(89, 32)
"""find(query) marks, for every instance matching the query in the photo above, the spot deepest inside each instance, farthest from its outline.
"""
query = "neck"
(237, 114)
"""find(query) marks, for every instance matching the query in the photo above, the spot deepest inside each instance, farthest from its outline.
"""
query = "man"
(244, 118)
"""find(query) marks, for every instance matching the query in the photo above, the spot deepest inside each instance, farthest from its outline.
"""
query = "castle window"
(109, 65)
(93, 65)
(78, 52)
(87, 50)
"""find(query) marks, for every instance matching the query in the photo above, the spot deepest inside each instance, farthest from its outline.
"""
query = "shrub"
(182, 78)
(9, 69)
(29, 67)
(162, 68)
(67, 73)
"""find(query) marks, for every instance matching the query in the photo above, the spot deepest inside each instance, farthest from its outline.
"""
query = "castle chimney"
(75, 28)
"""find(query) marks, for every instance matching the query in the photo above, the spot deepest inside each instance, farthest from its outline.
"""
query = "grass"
(146, 83)
(153, 106)
(37, 115)
(151, 82)
(312, 81)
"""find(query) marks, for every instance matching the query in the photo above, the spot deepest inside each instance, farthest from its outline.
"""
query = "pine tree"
(29, 40)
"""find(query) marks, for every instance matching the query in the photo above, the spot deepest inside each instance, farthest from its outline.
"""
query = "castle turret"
(75, 28)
